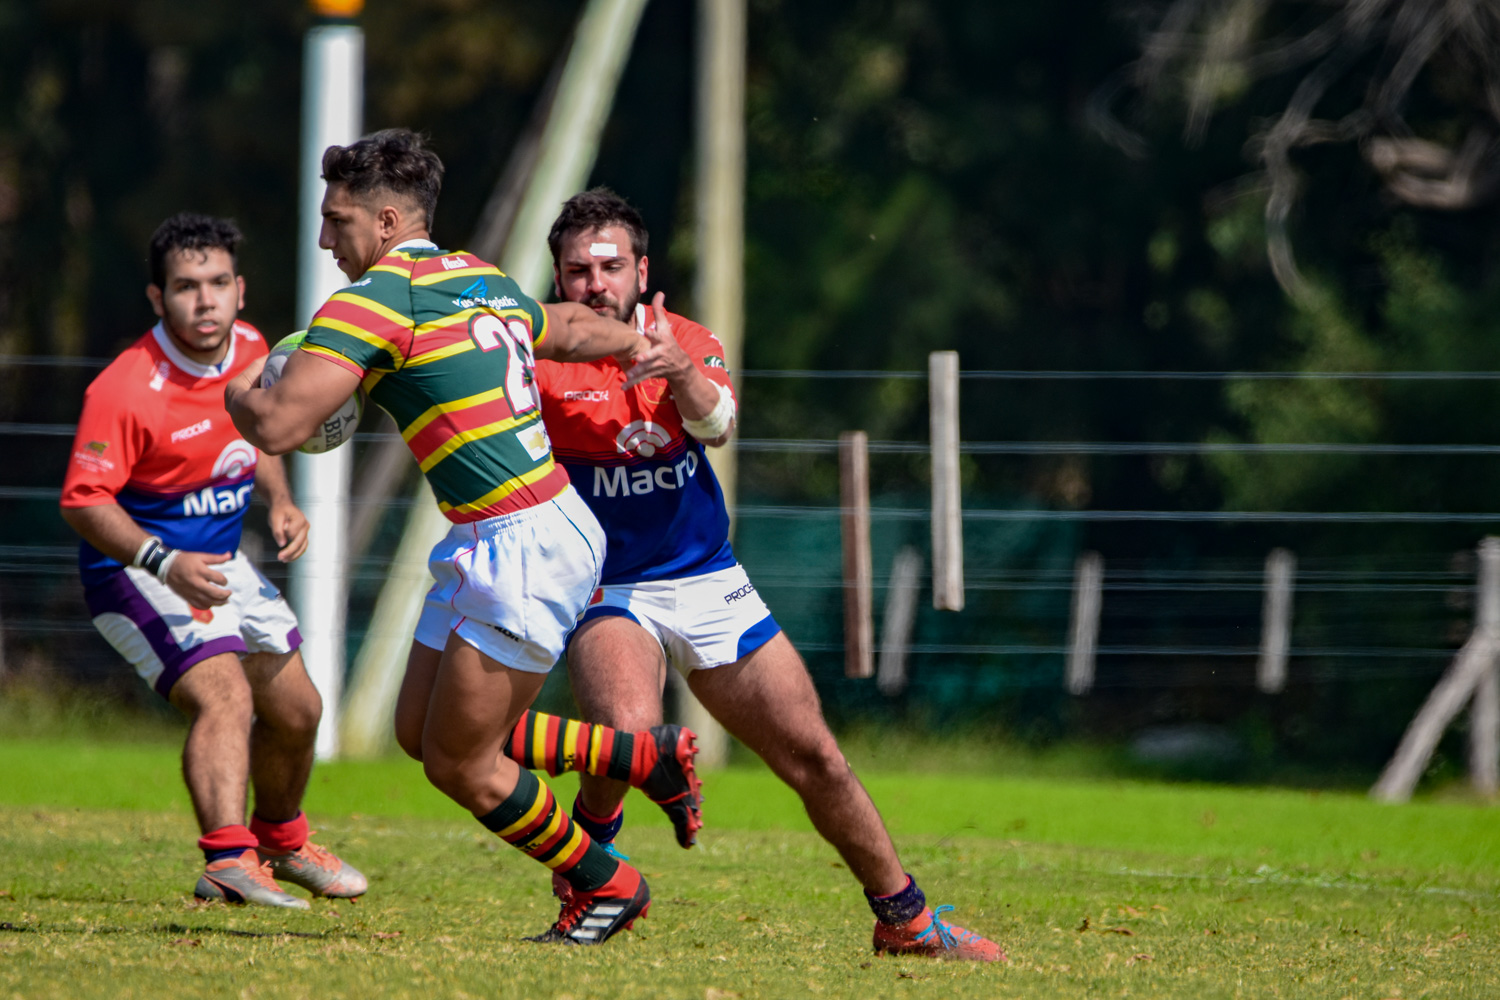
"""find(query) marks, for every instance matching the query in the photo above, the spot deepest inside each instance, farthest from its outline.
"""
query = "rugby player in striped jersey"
(446, 343)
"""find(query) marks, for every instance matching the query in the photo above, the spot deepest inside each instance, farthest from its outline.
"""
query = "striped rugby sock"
(530, 821)
(547, 743)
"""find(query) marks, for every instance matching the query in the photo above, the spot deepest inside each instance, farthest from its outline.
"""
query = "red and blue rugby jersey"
(645, 478)
(155, 438)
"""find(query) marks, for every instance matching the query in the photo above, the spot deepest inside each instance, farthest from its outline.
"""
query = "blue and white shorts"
(515, 586)
(701, 622)
(162, 635)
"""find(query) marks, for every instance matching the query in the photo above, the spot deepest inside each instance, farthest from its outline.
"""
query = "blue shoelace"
(945, 932)
(614, 852)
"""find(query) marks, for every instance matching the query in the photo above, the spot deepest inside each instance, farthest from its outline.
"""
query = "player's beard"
(624, 310)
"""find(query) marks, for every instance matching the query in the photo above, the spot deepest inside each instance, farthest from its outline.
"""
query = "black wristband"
(152, 560)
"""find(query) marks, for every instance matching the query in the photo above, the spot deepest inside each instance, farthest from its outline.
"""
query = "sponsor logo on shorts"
(714, 361)
(200, 427)
(505, 632)
(203, 615)
(735, 595)
(586, 396)
(620, 481)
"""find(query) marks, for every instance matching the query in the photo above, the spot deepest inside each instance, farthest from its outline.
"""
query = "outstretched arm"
(577, 333)
(280, 418)
(288, 523)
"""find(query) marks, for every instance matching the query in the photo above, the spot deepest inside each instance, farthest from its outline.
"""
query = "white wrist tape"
(140, 554)
(166, 564)
(717, 422)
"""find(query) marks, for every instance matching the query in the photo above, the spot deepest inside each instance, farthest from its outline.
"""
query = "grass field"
(1096, 889)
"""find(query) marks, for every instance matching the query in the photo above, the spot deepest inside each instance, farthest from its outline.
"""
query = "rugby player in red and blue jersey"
(673, 594)
(157, 486)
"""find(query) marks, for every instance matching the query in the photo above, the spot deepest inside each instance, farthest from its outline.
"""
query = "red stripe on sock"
(549, 741)
(518, 748)
(280, 837)
(543, 815)
(227, 837)
(643, 758)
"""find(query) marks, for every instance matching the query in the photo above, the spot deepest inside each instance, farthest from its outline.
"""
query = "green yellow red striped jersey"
(443, 341)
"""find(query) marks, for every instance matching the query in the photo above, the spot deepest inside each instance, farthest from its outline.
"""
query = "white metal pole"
(570, 143)
(332, 103)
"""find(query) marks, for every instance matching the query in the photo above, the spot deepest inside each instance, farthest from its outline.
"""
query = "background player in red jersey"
(673, 591)
(157, 486)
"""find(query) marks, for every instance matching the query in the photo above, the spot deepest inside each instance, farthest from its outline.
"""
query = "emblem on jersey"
(714, 361)
(159, 377)
(534, 440)
(91, 457)
(237, 458)
(642, 437)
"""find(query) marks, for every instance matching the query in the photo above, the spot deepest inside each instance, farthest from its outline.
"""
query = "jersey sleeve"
(109, 441)
(358, 331)
(705, 350)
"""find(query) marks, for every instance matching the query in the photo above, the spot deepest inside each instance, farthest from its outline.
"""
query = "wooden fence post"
(947, 504)
(1083, 636)
(854, 496)
(1276, 621)
(1484, 714)
(1474, 662)
(900, 616)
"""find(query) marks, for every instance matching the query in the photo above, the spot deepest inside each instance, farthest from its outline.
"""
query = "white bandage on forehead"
(603, 250)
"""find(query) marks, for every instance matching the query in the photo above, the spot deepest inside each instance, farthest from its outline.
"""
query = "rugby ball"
(339, 427)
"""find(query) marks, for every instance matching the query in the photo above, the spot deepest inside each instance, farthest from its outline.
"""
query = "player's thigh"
(284, 695)
(215, 687)
(473, 705)
(617, 670)
(158, 632)
(415, 695)
(766, 699)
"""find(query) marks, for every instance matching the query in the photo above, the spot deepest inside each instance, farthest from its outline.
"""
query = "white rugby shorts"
(162, 635)
(515, 586)
(701, 622)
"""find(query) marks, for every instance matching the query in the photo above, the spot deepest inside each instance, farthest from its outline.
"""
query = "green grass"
(1096, 889)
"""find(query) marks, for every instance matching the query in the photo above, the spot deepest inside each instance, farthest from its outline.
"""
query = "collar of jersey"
(194, 368)
(415, 245)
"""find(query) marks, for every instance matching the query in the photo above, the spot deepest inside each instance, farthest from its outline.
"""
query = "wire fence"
(1170, 619)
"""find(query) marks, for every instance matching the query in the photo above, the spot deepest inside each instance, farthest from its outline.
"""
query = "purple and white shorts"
(162, 635)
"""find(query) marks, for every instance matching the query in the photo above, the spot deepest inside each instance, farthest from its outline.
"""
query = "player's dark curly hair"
(594, 209)
(394, 159)
(190, 231)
